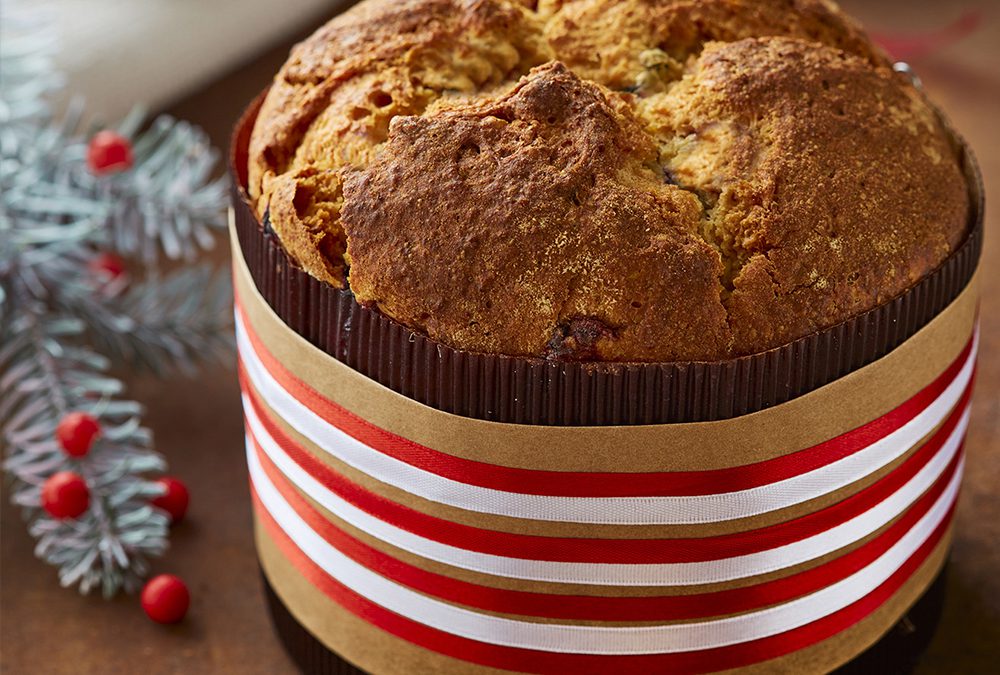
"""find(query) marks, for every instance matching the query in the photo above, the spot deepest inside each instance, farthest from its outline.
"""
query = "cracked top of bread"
(630, 180)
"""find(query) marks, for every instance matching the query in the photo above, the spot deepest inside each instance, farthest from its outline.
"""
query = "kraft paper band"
(952, 483)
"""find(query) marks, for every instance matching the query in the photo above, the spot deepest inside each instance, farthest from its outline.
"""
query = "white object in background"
(117, 53)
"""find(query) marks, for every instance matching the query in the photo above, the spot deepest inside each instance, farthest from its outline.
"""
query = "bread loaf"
(640, 180)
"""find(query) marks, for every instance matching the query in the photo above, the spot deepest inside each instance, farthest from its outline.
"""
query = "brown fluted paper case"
(423, 509)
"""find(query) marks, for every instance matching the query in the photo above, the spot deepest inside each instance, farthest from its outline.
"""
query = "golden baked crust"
(830, 187)
(735, 192)
(543, 217)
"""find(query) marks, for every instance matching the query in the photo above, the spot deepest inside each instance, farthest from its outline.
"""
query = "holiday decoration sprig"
(74, 205)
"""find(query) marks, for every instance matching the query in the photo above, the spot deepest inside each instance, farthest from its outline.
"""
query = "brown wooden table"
(46, 629)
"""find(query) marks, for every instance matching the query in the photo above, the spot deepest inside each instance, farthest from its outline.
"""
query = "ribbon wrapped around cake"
(419, 509)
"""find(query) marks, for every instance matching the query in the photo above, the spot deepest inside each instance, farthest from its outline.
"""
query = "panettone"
(634, 181)
(602, 336)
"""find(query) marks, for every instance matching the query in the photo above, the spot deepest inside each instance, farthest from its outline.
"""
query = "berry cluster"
(66, 496)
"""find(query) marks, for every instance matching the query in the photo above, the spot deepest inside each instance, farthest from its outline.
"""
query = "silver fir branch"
(46, 376)
(62, 329)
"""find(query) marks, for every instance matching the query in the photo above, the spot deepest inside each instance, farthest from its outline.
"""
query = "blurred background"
(203, 61)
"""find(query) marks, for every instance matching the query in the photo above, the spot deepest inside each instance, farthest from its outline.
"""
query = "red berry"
(76, 433)
(106, 266)
(65, 495)
(175, 500)
(109, 152)
(165, 599)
